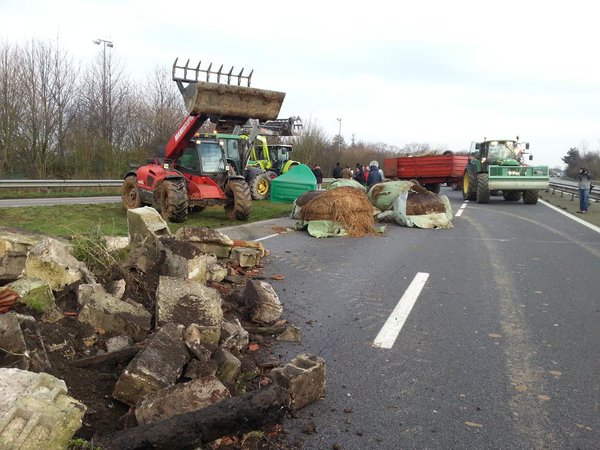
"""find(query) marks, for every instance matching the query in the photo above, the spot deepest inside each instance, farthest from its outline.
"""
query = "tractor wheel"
(260, 188)
(483, 190)
(239, 200)
(130, 195)
(173, 200)
(469, 186)
(511, 196)
(530, 197)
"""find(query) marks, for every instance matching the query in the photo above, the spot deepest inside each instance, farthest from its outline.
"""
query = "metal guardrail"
(41, 184)
(573, 191)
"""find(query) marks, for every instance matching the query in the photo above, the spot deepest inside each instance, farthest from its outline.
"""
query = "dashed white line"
(393, 325)
(266, 237)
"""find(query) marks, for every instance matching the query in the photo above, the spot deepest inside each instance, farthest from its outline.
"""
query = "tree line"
(60, 119)
(575, 159)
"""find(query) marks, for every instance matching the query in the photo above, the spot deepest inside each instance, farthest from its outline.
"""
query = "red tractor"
(193, 172)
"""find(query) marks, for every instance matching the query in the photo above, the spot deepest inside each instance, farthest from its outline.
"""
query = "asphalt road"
(501, 348)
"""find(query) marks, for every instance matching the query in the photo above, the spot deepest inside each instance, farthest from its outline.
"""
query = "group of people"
(367, 175)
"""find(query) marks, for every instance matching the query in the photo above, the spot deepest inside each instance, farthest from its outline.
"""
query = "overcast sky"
(442, 72)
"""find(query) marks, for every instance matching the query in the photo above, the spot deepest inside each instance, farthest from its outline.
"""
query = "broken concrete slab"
(181, 398)
(207, 240)
(115, 243)
(245, 257)
(182, 260)
(305, 378)
(158, 365)
(215, 272)
(36, 412)
(291, 334)
(51, 260)
(229, 365)
(263, 301)
(145, 226)
(187, 302)
(36, 294)
(233, 335)
(12, 342)
(117, 288)
(14, 247)
(102, 310)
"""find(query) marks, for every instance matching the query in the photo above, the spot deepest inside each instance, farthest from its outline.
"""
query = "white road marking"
(266, 237)
(459, 213)
(572, 217)
(392, 326)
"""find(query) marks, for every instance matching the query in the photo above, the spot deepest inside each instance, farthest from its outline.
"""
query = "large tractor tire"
(239, 200)
(130, 196)
(260, 187)
(511, 196)
(469, 185)
(530, 197)
(174, 200)
(483, 189)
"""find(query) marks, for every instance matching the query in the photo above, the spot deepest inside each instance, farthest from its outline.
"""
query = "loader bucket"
(234, 101)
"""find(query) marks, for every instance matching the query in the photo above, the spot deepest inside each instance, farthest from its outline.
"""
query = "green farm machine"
(498, 165)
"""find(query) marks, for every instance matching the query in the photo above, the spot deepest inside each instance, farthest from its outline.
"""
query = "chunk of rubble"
(215, 272)
(36, 294)
(199, 369)
(117, 343)
(51, 260)
(13, 252)
(36, 412)
(207, 240)
(263, 301)
(182, 260)
(229, 365)
(102, 310)
(246, 257)
(181, 398)
(305, 378)
(12, 342)
(145, 226)
(291, 334)
(158, 365)
(233, 335)
(187, 302)
(117, 288)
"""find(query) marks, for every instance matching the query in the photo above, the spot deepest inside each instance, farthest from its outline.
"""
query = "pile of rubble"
(168, 349)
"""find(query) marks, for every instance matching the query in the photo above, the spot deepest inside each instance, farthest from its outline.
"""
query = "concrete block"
(34, 293)
(186, 302)
(104, 311)
(206, 240)
(233, 335)
(263, 302)
(305, 378)
(182, 260)
(158, 365)
(200, 369)
(13, 252)
(229, 365)
(12, 342)
(246, 257)
(36, 412)
(181, 398)
(145, 226)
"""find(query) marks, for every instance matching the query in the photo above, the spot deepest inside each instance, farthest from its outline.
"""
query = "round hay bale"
(420, 201)
(307, 197)
(346, 205)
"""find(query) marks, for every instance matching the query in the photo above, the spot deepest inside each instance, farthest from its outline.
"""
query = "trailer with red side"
(429, 171)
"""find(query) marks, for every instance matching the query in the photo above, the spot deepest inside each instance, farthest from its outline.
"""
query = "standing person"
(318, 175)
(337, 171)
(374, 174)
(347, 173)
(358, 174)
(585, 186)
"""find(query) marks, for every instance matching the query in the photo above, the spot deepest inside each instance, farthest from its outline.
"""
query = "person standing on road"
(318, 175)
(585, 186)
(347, 173)
(337, 171)
(374, 174)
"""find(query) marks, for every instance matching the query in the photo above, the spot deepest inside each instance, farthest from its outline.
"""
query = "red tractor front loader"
(193, 172)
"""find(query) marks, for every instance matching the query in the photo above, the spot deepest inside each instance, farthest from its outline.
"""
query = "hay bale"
(307, 197)
(420, 201)
(346, 205)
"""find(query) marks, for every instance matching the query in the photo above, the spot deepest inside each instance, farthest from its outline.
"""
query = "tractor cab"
(498, 152)
(203, 157)
(279, 155)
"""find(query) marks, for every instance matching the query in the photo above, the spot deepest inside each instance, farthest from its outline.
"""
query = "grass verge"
(111, 219)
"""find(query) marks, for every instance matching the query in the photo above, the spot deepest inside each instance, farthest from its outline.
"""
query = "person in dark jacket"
(585, 186)
(359, 174)
(337, 171)
(374, 174)
(318, 175)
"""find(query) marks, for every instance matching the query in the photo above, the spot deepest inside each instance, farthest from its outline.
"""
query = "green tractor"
(498, 165)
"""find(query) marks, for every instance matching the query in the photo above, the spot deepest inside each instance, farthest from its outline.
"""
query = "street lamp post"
(105, 43)
(340, 133)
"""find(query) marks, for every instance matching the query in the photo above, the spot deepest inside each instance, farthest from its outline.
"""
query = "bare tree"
(10, 108)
